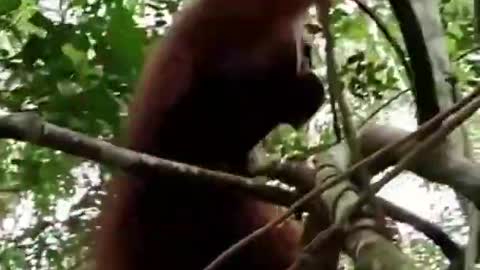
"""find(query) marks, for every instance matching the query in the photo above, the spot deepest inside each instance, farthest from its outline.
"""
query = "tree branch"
(423, 86)
(383, 106)
(450, 249)
(28, 126)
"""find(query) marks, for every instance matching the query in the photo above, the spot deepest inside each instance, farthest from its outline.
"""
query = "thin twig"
(393, 42)
(383, 106)
(450, 248)
(466, 53)
(11, 190)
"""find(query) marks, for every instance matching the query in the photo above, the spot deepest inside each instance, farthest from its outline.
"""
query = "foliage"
(76, 62)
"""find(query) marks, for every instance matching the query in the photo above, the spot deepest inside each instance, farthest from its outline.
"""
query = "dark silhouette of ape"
(224, 76)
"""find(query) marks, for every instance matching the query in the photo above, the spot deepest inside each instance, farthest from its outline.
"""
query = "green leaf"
(79, 3)
(78, 57)
(80, 61)
(125, 41)
(7, 6)
(12, 257)
(22, 16)
(131, 4)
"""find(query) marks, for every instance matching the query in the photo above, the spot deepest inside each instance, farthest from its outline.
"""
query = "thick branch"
(441, 166)
(423, 86)
(31, 128)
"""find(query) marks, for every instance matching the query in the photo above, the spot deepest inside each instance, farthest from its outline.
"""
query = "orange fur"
(233, 59)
